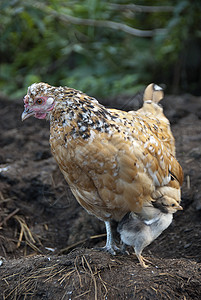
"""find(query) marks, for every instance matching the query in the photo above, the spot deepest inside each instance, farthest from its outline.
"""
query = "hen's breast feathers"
(113, 160)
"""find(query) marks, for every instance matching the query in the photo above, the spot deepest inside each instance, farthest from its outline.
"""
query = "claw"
(123, 250)
(141, 260)
(112, 249)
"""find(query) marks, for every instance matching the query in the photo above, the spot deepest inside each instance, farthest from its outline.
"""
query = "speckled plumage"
(114, 161)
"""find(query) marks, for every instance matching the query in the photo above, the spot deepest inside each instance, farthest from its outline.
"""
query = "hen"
(114, 161)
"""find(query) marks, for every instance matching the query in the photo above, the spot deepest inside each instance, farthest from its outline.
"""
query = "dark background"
(73, 43)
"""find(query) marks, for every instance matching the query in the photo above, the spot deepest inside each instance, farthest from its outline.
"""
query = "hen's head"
(39, 101)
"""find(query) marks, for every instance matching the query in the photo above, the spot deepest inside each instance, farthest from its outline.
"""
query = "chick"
(138, 232)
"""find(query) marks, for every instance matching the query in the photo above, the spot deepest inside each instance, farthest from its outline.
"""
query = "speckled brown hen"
(114, 161)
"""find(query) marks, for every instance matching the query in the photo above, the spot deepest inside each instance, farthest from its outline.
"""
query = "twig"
(26, 232)
(108, 24)
(188, 181)
(9, 216)
(141, 8)
(78, 272)
(55, 274)
(93, 277)
(104, 285)
(82, 241)
(78, 296)
(98, 23)
(65, 276)
(4, 200)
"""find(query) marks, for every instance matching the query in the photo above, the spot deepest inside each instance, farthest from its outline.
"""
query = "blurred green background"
(90, 45)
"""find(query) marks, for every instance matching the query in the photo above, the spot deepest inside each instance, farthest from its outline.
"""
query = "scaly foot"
(112, 249)
(110, 244)
(141, 260)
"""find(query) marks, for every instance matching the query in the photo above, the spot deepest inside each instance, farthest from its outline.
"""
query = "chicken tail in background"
(151, 108)
(153, 93)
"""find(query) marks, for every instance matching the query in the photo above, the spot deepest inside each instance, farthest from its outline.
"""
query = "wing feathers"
(126, 161)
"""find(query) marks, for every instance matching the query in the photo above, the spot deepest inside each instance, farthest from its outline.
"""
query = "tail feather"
(153, 93)
(153, 113)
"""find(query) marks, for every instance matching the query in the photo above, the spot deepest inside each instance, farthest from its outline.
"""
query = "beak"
(179, 207)
(26, 114)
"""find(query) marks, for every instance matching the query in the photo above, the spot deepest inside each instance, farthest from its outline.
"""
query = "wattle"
(40, 115)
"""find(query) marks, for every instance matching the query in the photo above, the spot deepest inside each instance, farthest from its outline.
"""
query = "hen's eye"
(39, 101)
(173, 205)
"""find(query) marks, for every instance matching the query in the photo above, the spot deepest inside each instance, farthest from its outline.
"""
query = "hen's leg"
(110, 244)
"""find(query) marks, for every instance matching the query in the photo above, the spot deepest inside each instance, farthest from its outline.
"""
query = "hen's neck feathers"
(77, 110)
(80, 114)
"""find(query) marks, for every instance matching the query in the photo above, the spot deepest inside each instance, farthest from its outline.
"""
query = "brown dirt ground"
(46, 238)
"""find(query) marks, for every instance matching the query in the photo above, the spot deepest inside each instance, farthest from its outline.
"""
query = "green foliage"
(39, 43)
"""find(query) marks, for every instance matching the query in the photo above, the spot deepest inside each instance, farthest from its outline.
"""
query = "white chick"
(138, 232)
